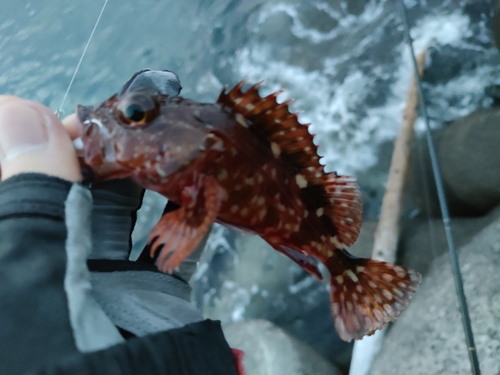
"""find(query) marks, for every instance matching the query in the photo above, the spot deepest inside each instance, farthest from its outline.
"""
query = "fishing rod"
(59, 111)
(455, 265)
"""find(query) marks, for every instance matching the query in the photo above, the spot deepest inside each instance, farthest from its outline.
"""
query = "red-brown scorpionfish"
(246, 162)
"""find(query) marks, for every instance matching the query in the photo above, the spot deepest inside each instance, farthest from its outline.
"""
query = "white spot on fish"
(339, 279)
(262, 213)
(288, 226)
(234, 151)
(249, 181)
(160, 171)
(250, 107)
(273, 173)
(388, 309)
(291, 211)
(335, 308)
(276, 149)
(372, 284)
(387, 277)
(244, 212)
(222, 175)
(268, 112)
(319, 212)
(377, 298)
(237, 187)
(178, 148)
(360, 269)
(398, 292)
(301, 181)
(241, 120)
(359, 288)
(352, 275)
(260, 179)
(400, 271)
(234, 208)
(387, 294)
(281, 207)
(238, 100)
(147, 164)
(306, 214)
(307, 148)
(260, 201)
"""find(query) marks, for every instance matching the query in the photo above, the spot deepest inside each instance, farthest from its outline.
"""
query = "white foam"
(348, 138)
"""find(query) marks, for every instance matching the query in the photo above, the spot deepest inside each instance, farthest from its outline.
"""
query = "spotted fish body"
(248, 163)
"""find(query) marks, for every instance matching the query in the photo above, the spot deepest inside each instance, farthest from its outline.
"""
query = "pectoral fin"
(179, 232)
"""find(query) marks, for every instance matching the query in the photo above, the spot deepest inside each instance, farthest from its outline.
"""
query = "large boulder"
(428, 338)
(469, 159)
(269, 350)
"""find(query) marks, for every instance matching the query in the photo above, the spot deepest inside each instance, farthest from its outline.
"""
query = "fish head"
(140, 131)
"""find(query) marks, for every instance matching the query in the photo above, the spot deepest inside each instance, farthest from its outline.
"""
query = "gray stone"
(269, 350)
(423, 239)
(469, 159)
(428, 338)
(495, 25)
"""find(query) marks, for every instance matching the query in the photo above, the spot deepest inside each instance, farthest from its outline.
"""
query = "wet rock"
(469, 159)
(495, 25)
(270, 350)
(423, 239)
(428, 338)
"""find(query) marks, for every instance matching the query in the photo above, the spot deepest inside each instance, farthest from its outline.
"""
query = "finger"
(73, 126)
(32, 139)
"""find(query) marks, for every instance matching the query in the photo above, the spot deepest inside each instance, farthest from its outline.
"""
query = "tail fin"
(367, 294)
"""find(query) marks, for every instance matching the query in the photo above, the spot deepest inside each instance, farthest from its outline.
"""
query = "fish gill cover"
(344, 62)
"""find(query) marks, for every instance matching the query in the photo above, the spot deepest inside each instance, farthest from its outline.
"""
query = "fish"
(246, 162)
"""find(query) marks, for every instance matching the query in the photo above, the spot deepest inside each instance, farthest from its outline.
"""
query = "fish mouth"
(91, 145)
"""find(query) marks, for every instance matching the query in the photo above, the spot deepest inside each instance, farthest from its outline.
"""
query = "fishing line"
(457, 275)
(59, 111)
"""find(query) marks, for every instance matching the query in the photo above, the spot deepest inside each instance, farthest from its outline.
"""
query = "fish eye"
(137, 109)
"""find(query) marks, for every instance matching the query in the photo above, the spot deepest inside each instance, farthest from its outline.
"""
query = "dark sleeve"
(34, 319)
(195, 349)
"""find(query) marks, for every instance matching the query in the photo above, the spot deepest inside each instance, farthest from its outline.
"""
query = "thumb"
(32, 139)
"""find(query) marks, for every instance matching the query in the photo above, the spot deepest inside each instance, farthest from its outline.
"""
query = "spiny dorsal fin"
(338, 196)
(279, 125)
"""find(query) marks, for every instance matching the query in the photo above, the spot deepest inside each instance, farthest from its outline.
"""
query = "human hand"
(32, 139)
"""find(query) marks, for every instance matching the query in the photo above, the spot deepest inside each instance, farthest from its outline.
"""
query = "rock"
(418, 246)
(469, 159)
(270, 350)
(495, 25)
(428, 338)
